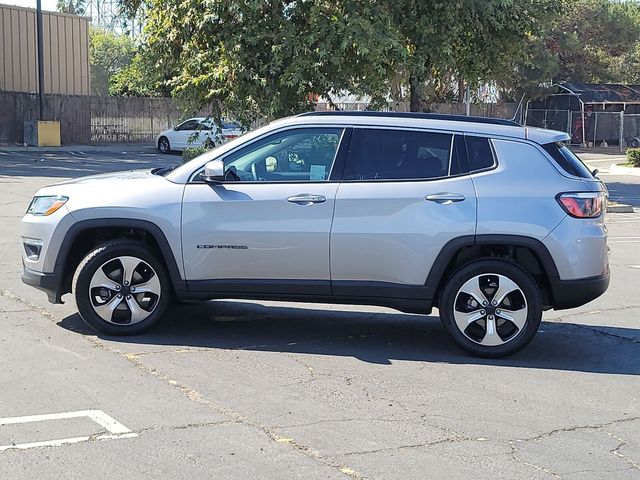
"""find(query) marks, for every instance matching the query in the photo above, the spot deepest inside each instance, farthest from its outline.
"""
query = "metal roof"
(602, 92)
(424, 116)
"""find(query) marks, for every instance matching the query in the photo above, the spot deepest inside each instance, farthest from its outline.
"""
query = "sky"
(46, 4)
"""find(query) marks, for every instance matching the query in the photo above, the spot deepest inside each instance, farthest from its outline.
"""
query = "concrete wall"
(73, 112)
(66, 52)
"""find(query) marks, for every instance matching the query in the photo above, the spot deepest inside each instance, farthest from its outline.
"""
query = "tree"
(473, 40)
(138, 79)
(109, 53)
(77, 7)
(271, 59)
(590, 37)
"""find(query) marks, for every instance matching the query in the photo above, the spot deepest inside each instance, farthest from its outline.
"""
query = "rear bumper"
(47, 282)
(574, 293)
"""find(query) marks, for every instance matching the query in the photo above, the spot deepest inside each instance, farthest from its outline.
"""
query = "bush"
(633, 157)
(190, 153)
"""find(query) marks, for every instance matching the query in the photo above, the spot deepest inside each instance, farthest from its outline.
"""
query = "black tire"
(634, 143)
(163, 145)
(484, 267)
(100, 256)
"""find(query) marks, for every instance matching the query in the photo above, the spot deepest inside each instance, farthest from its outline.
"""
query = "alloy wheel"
(490, 309)
(124, 290)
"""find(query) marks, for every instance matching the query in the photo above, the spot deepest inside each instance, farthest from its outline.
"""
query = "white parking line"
(114, 428)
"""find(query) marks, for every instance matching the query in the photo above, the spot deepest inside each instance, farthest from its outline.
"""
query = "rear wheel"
(491, 308)
(121, 288)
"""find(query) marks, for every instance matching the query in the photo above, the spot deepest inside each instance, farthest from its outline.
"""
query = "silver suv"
(488, 221)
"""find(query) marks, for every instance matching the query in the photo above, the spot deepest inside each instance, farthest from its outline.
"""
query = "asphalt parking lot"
(239, 390)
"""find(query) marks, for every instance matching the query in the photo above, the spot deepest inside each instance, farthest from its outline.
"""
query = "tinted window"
(480, 153)
(397, 154)
(568, 160)
(188, 125)
(457, 158)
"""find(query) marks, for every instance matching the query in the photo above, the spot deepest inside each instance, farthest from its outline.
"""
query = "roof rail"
(425, 116)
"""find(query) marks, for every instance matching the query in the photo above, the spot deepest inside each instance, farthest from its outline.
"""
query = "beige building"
(66, 52)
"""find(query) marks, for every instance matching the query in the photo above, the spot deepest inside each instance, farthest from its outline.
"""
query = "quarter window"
(397, 154)
(480, 153)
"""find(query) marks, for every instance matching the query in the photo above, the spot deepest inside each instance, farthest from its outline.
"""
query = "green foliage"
(633, 157)
(190, 153)
(270, 59)
(109, 53)
(138, 79)
(626, 67)
(588, 39)
(77, 7)
(476, 41)
(257, 58)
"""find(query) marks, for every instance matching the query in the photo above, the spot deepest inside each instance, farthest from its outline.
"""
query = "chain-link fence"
(591, 129)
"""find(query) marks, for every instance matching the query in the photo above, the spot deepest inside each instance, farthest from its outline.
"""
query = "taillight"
(583, 204)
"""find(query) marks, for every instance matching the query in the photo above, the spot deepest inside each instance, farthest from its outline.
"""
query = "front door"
(181, 135)
(267, 229)
(403, 197)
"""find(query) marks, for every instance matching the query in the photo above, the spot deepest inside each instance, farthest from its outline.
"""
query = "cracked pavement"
(240, 389)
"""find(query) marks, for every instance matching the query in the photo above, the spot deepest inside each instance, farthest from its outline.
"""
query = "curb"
(619, 208)
(621, 170)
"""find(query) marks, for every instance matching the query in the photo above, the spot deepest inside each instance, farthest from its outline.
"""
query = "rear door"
(402, 198)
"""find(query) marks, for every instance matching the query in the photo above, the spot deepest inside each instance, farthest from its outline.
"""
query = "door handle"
(445, 198)
(306, 199)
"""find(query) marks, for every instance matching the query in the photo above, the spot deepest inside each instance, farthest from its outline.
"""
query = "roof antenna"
(513, 119)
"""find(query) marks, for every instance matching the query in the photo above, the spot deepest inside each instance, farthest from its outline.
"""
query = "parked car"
(194, 132)
(488, 221)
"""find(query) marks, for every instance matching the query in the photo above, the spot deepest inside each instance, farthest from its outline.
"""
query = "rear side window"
(480, 153)
(377, 154)
(568, 160)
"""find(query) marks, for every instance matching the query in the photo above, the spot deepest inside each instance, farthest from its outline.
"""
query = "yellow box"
(48, 133)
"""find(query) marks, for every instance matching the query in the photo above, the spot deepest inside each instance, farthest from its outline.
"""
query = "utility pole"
(40, 57)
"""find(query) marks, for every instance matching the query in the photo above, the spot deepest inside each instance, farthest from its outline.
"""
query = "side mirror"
(214, 171)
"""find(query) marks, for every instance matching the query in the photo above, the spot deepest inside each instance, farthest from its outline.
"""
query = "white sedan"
(194, 132)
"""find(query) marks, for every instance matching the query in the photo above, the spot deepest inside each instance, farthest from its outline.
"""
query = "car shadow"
(375, 337)
(72, 165)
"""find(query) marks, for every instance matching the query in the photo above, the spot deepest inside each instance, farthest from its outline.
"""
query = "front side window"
(299, 155)
(188, 125)
(378, 154)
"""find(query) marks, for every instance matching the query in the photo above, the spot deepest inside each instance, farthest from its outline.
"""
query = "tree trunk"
(416, 101)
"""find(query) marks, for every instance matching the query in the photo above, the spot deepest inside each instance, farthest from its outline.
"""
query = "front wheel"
(121, 288)
(491, 308)
(163, 145)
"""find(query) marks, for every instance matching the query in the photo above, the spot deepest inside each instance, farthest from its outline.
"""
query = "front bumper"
(574, 293)
(50, 283)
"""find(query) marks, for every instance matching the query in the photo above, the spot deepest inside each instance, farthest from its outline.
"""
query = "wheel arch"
(86, 234)
(527, 252)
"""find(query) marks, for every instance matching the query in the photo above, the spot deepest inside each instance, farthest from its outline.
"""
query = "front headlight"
(46, 205)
